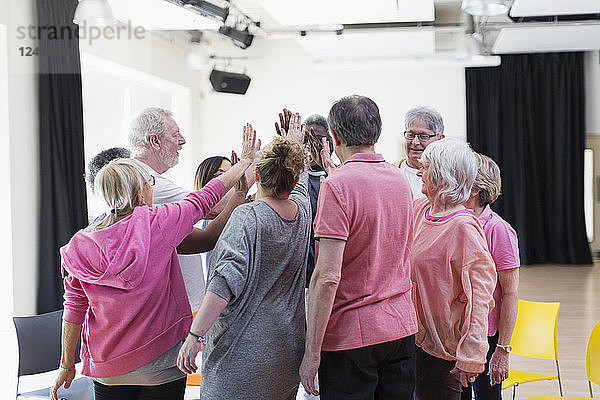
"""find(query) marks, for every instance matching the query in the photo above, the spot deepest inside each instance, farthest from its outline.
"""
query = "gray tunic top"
(255, 347)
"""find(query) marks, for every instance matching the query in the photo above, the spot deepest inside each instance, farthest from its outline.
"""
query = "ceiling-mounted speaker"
(229, 82)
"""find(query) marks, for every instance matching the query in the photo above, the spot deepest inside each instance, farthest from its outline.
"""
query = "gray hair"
(150, 122)
(428, 115)
(488, 180)
(355, 120)
(101, 159)
(452, 170)
(319, 120)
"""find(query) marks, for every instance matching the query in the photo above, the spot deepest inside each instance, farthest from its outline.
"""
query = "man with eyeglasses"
(424, 125)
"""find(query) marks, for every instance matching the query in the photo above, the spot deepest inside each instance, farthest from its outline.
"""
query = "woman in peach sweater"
(453, 275)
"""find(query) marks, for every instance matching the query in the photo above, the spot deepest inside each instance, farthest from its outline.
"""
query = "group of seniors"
(410, 284)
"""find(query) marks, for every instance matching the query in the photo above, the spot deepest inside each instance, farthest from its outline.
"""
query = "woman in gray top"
(252, 318)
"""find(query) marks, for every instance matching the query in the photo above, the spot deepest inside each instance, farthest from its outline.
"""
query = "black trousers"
(481, 386)
(169, 391)
(434, 380)
(378, 372)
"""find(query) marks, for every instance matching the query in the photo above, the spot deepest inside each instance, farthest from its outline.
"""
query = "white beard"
(169, 159)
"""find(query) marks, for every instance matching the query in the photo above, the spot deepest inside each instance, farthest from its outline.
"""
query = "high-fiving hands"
(284, 118)
(320, 152)
(296, 130)
(250, 145)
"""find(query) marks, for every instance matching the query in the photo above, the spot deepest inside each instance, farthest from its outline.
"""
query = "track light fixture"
(242, 39)
(484, 7)
(207, 9)
(94, 13)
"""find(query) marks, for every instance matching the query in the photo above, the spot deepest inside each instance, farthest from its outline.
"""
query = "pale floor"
(577, 288)
(578, 291)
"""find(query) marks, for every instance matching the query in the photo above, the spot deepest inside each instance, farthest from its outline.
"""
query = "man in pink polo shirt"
(361, 320)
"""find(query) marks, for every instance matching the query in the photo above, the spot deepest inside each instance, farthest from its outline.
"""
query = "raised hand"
(327, 162)
(284, 119)
(250, 145)
(234, 158)
(296, 130)
(315, 146)
(320, 151)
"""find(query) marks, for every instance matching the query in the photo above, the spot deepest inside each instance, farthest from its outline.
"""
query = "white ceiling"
(526, 8)
(547, 39)
(159, 15)
(354, 45)
(288, 17)
(327, 12)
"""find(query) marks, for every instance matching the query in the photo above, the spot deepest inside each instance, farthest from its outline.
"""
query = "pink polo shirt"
(368, 203)
(504, 246)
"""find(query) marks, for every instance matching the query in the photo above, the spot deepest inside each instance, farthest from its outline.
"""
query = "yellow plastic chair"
(534, 336)
(592, 367)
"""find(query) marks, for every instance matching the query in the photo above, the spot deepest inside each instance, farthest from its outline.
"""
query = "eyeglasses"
(151, 181)
(423, 137)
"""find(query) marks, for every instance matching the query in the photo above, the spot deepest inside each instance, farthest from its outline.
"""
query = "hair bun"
(280, 164)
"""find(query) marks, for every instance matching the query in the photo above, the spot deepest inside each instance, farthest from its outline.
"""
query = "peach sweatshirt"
(453, 278)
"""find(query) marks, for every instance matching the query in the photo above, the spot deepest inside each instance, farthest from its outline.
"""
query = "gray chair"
(39, 339)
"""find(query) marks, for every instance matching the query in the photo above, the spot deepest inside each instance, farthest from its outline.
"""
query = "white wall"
(592, 92)
(120, 92)
(23, 142)
(157, 59)
(283, 75)
(154, 55)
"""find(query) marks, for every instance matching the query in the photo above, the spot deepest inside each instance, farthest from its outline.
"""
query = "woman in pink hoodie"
(124, 291)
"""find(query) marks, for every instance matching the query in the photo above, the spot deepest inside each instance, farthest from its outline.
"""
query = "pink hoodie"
(125, 284)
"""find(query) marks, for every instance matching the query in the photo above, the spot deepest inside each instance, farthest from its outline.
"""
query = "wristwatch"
(198, 338)
(505, 347)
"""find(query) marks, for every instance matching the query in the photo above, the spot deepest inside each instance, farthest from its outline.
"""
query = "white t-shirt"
(416, 183)
(165, 191)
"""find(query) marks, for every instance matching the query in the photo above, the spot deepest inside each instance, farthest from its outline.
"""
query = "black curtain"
(528, 114)
(63, 206)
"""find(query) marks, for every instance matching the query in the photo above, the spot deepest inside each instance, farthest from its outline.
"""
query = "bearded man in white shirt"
(155, 140)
